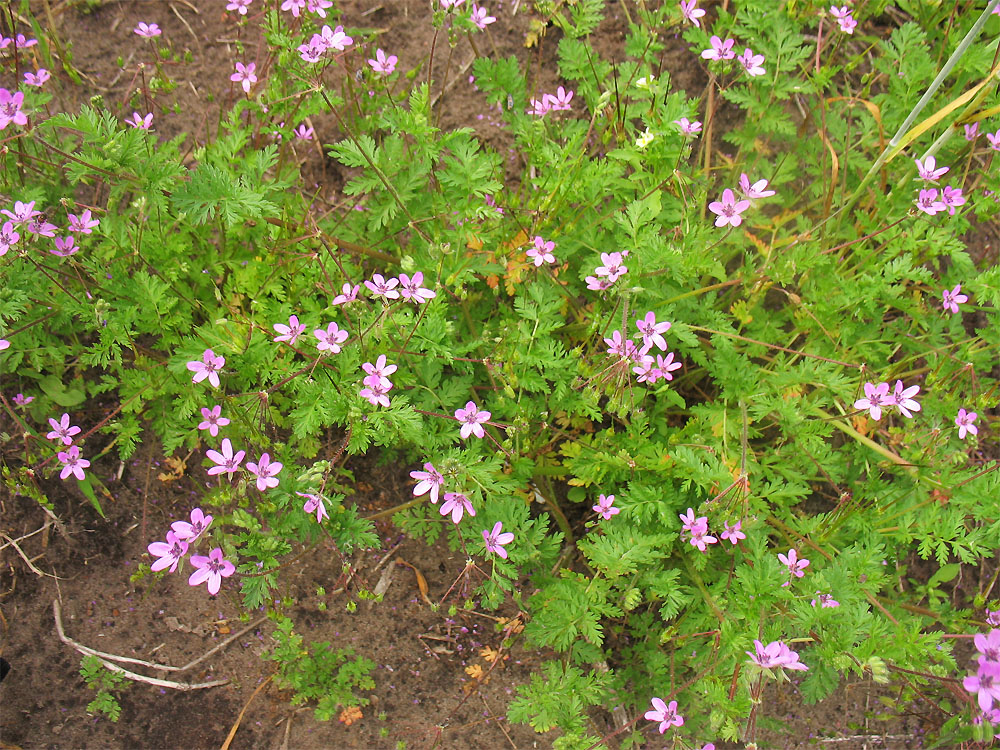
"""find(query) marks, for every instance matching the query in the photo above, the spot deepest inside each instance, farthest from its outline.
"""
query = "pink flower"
(728, 209)
(927, 170)
(84, 223)
(22, 42)
(191, 531)
(41, 227)
(72, 463)
(382, 64)
(347, 294)
(605, 507)
(313, 50)
(757, 190)
(876, 396)
(4, 344)
(663, 368)
(691, 12)
(318, 7)
(169, 552)
(22, 213)
(142, 122)
(240, 6)
(598, 284)
(986, 682)
(411, 289)
(775, 655)
(988, 646)
(304, 133)
(8, 238)
(381, 287)
(539, 108)
(613, 266)
(212, 569)
(446, 4)
(902, 399)
(456, 503)
(65, 246)
(212, 420)
(335, 38)
(376, 392)
(665, 714)
(825, 601)
(19, 399)
(972, 131)
(208, 367)
(733, 533)
(952, 197)
(331, 338)
(952, 299)
(964, 422)
(993, 617)
(993, 138)
(541, 251)
(928, 202)
(795, 565)
(10, 109)
(687, 126)
(495, 540)
(226, 462)
(245, 75)
(481, 17)
(652, 332)
(314, 504)
(37, 79)
(291, 332)
(721, 50)
(148, 30)
(379, 372)
(428, 481)
(472, 420)
(560, 101)
(623, 348)
(265, 470)
(700, 538)
(752, 64)
(844, 18)
(63, 430)
(295, 6)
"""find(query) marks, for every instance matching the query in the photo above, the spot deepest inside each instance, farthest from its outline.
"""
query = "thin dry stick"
(236, 726)
(24, 557)
(222, 645)
(26, 536)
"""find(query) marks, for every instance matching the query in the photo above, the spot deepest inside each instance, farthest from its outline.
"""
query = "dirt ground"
(425, 695)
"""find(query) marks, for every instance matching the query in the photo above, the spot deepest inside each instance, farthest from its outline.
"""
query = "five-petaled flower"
(63, 430)
(614, 266)
(472, 420)
(928, 202)
(208, 367)
(986, 683)
(240, 6)
(148, 30)
(314, 504)
(605, 507)
(37, 79)
(495, 540)
(481, 17)
(376, 393)
(330, 338)
(347, 294)
(928, 171)
(952, 197)
(902, 398)
(412, 289)
(733, 533)
(964, 421)
(796, 565)
(245, 75)
(10, 109)
(73, 463)
(720, 50)
(265, 470)
(952, 299)
(8, 237)
(825, 601)
(65, 246)
(428, 481)
(22, 213)
(291, 332)
(212, 569)
(664, 713)
(141, 122)
(382, 63)
(688, 127)
(226, 461)
(382, 287)
(752, 64)
(541, 251)
(691, 12)
(876, 396)
(85, 223)
(169, 552)
(844, 18)
(652, 332)
(189, 531)
(728, 209)
(756, 190)
(774, 655)
(456, 503)
(212, 420)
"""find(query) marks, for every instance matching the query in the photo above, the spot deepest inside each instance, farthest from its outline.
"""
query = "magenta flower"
(795, 565)
(456, 503)
(73, 463)
(19, 399)
(65, 246)
(291, 332)
(986, 683)
(314, 504)
(988, 646)
(598, 284)
(972, 131)
(240, 6)
(541, 251)
(208, 367)
(428, 481)
(41, 227)
(733, 533)
(295, 6)
(559, 101)
(952, 198)
(720, 50)
(688, 127)
(148, 30)
(775, 655)
(142, 122)
(22, 213)
(84, 223)
(665, 714)
(952, 299)
(605, 507)
(212, 420)
(331, 338)
(63, 430)
(226, 461)
(376, 393)
(649, 372)
(412, 289)
(169, 552)
(4, 343)
(245, 75)
(613, 266)
(993, 617)
(538, 108)
(902, 399)
(728, 209)
(347, 294)
(691, 12)
(335, 38)
(481, 17)
(189, 532)
(472, 420)
(756, 190)
(318, 7)
(623, 348)
(8, 238)
(825, 601)
(381, 287)
(495, 540)
(22, 42)
(993, 138)
(37, 79)
(844, 18)
(928, 170)
(652, 332)
(304, 133)
(379, 372)
(265, 470)
(752, 64)
(10, 109)
(964, 422)
(928, 202)
(382, 64)
(876, 396)
(212, 569)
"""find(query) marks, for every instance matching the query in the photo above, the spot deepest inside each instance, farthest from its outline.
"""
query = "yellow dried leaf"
(475, 671)
(489, 654)
(176, 468)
